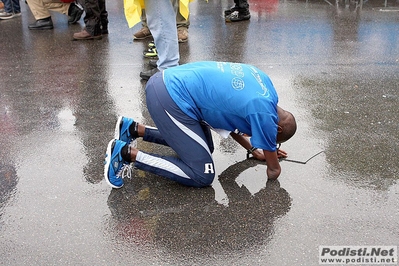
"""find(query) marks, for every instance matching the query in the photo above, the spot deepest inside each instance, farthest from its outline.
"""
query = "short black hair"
(289, 127)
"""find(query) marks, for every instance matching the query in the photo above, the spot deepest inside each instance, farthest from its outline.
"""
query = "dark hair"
(289, 127)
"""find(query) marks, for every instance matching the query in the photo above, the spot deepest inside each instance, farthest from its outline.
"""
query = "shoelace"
(235, 14)
(126, 171)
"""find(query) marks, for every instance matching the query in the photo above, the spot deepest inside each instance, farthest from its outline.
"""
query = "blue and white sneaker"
(122, 129)
(115, 168)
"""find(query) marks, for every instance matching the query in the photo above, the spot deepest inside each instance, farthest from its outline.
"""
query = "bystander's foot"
(146, 75)
(182, 34)
(153, 63)
(238, 16)
(42, 24)
(151, 53)
(231, 10)
(142, 34)
(84, 35)
(5, 15)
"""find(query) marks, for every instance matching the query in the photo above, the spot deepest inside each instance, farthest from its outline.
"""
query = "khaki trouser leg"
(41, 8)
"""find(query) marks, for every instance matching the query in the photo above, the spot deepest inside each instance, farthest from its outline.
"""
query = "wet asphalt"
(335, 67)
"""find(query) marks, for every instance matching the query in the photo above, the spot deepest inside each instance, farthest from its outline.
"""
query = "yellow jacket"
(133, 10)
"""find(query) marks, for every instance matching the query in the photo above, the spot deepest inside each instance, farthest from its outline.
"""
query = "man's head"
(286, 125)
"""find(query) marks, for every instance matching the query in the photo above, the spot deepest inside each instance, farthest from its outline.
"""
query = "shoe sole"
(238, 20)
(89, 38)
(107, 163)
(117, 127)
(43, 28)
(5, 18)
(141, 38)
(151, 57)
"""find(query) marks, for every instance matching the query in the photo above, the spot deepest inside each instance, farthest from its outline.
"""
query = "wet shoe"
(75, 12)
(182, 34)
(42, 24)
(5, 15)
(122, 129)
(104, 29)
(115, 168)
(238, 16)
(151, 44)
(151, 53)
(142, 34)
(146, 75)
(84, 35)
(231, 10)
(153, 63)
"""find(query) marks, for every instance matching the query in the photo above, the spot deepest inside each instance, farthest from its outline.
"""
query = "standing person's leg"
(7, 6)
(92, 21)
(182, 23)
(161, 20)
(42, 15)
(242, 5)
(239, 12)
(144, 32)
(103, 16)
(12, 9)
(16, 7)
(41, 11)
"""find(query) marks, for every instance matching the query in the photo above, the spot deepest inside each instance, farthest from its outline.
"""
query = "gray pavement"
(336, 69)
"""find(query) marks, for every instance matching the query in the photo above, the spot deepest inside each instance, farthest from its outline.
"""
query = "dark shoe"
(238, 16)
(231, 10)
(84, 35)
(42, 24)
(74, 12)
(104, 29)
(153, 63)
(146, 75)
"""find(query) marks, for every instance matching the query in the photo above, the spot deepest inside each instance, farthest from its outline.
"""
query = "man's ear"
(279, 129)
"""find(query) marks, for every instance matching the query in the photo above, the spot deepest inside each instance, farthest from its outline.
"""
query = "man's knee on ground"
(204, 179)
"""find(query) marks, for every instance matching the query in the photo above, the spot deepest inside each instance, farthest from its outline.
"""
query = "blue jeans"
(161, 20)
(12, 6)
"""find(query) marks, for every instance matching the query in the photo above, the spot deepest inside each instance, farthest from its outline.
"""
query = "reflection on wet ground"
(334, 66)
(145, 215)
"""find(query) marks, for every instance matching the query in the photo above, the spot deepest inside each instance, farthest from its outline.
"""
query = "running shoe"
(115, 168)
(238, 16)
(151, 53)
(151, 44)
(231, 10)
(122, 131)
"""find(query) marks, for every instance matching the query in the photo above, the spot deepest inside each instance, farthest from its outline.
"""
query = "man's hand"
(281, 154)
(259, 155)
(271, 157)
